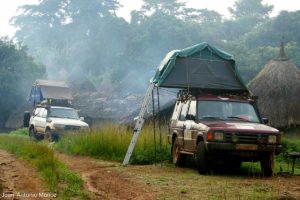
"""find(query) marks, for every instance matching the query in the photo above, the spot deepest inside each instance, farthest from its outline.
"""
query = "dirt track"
(109, 180)
(18, 180)
(103, 182)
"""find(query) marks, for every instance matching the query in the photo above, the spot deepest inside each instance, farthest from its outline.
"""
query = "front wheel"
(201, 158)
(49, 136)
(267, 165)
(177, 157)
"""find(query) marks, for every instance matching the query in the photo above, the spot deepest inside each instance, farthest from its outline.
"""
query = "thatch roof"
(278, 89)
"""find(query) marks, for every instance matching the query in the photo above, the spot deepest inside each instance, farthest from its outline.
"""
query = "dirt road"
(109, 180)
(18, 180)
(103, 181)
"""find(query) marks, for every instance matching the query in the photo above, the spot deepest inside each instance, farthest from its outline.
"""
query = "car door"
(181, 125)
(174, 128)
(188, 124)
(44, 120)
(40, 120)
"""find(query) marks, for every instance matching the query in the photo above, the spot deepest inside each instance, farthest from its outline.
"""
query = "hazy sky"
(8, 9)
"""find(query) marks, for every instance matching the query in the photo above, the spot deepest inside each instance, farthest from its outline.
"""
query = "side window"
(177, 110)
(40, 112)
(192, 109)
(36, 111)
(184, 111)
(44, 115)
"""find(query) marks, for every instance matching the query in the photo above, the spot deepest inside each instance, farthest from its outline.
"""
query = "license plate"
(246, 147)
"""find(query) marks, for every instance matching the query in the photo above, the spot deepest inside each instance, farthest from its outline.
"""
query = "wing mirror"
(265, 120)
(190, 117)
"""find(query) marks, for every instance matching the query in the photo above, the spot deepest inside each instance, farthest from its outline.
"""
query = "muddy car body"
(223, 128)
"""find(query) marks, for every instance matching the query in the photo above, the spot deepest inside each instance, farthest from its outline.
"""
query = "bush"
(111, 142)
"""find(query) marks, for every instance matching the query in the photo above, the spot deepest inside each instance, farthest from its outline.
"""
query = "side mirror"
(81, 118)
(26, 119)
(190, 117)
(265, 120)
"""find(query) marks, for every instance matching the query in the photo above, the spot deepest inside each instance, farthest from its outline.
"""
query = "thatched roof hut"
(278, 88)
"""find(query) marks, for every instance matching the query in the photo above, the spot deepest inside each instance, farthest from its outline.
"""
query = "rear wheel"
(267, 165)
(178, 158)
(32, 134)
(201, 158)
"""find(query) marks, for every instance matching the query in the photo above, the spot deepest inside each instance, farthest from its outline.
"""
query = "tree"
(73, 35)
(250, 8)
(17, 73)
(169, 7)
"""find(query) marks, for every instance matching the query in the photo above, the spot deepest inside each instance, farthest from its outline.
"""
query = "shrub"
(111, 142)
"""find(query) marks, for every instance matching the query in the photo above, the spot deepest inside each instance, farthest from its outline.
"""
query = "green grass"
(58, 178)
(20, 132)
(111, 142)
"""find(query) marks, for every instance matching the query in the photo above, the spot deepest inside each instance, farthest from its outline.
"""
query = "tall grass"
(111, 142)
(58, 178)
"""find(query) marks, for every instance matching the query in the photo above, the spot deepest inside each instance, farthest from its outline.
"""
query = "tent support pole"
(154, 126)
(159, 126)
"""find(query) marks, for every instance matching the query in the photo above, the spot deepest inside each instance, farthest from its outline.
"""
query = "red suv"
(224, 128)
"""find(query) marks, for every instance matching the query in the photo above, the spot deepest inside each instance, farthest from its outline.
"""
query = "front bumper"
(234, 148)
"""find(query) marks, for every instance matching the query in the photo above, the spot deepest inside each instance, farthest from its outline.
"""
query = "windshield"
(226, 110)
(63, 113)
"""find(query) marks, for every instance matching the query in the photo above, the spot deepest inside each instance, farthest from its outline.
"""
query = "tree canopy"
(87, 39)
(17, 73)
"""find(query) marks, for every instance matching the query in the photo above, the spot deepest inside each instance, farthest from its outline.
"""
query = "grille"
(72, 128)
(246, 138)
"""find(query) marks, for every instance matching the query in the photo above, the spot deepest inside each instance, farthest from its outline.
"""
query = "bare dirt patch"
(104, 181)
(18, 180)
(109, 180)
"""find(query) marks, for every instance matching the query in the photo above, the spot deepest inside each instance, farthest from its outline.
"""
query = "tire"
(48, 135)
(267, 165)
(201, 158)
(235, 164)
(32, 134)
(177, 158)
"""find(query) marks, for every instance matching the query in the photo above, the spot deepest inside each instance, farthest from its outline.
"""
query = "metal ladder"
(138, 125)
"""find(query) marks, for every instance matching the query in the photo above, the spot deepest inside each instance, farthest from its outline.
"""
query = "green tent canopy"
(201, 66)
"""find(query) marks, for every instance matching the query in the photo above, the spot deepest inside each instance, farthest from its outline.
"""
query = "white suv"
(50, 121)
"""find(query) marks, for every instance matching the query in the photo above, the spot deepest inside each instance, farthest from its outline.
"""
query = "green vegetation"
(20, 132)
(58, 178)
(111, 143)
(18, 70)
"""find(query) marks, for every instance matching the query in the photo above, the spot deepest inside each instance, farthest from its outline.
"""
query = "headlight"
(272, 139)
(218, 136)
(59, 126)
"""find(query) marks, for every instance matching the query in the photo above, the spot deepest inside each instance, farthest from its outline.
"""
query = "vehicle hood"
(66, 121)
(239, 126)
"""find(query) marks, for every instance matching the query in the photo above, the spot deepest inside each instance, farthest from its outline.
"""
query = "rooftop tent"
(201, 66)
(44, 89)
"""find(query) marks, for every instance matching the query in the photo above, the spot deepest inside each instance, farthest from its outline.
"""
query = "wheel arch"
(199, 139)
(174, 136)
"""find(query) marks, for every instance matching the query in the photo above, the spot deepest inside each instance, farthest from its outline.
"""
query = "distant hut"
(278, 89)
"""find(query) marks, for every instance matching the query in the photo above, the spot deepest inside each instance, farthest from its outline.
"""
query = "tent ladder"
(139, 124)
